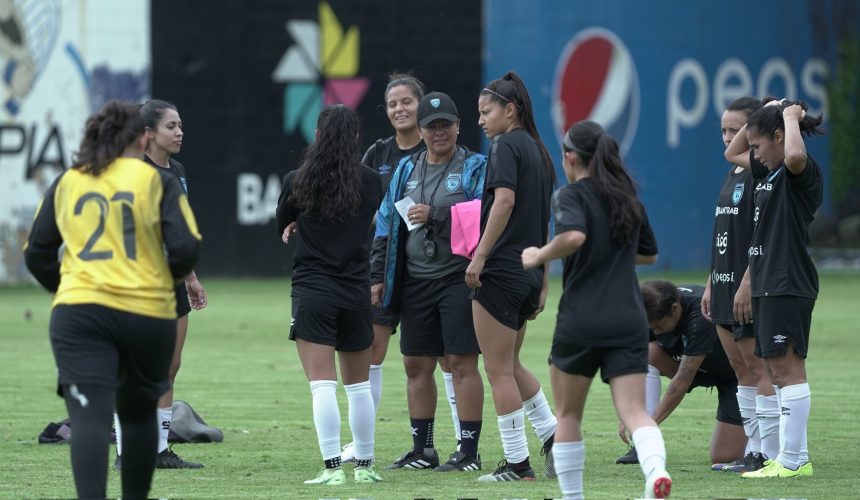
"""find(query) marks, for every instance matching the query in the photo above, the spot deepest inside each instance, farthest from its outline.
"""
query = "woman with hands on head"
(602, 232)
(783, 278)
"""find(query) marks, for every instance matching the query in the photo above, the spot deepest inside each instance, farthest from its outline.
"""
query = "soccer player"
(602, 231)
(514, 215)
(784, 281)
(687, 350)
(164, 136)
(419, 274)
(127, 233)
(727, 302)
(332, 193)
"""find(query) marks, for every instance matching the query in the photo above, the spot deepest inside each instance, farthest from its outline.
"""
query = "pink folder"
(465, 228)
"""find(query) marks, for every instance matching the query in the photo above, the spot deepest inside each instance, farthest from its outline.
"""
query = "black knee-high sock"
(91, 412)
(137, 415)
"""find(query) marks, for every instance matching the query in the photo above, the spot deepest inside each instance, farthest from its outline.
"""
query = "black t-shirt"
(785, 206)
(384, 155)
(696, 336)
(332, 260)
(515, 162)
(733, 228)
(176, 169)
(601, 304)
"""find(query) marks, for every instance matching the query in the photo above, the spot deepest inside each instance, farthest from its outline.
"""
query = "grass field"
(241, 373)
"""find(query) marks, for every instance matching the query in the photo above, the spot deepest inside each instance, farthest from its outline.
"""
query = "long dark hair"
(510, 88)
(599, 151)
(152, 111)
(767, 120)
(106, 135)
(659, 297)
(328, 181)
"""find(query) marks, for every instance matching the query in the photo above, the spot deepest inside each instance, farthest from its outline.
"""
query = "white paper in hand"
(402, 207)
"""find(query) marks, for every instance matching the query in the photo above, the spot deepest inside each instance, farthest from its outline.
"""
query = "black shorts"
(183, 305)
(387, 317)
(346, 330)
(727, 402)
(509, 306)
(105, 347)
(780, 321)
(585, 360)
(739, 331)
(436, 316)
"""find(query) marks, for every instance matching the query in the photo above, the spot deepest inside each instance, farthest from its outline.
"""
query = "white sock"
(326, 417)
(375, 384)
(569, 465)
(651, 449)
(540, 416)
(452, 402)
(512, 430)
(362, 418)
(118, 432)
(165, 415)
(746, 402)
(767, 413)
(795, 401)
(652, 390)
(778, 392)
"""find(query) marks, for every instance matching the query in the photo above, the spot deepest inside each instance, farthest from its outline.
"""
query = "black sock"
(139, 420)
(422, 434)
(91, 412)
(362, 462)
(332, 463)
(470, 434)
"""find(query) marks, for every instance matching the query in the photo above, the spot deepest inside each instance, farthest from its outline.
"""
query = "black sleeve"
(568, 210)
(286, 212)
(379, 245)
(810, 178)
(503, 165)
(43, 243)
(759, 171)
(701, 333)
(647, 241)
(367, 159)
(180, 240)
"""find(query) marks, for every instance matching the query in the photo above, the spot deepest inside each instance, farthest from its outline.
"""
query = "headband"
(500, 96)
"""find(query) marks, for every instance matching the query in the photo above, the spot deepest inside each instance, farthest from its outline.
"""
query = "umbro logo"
(779, 339)
(785, 411)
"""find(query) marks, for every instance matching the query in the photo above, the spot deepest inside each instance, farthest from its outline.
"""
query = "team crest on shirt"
(738, 193)
(452, 182)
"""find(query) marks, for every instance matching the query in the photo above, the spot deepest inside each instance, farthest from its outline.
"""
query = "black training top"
(785, 206)
(515, 162)
(733, 228)
(332, 260)
(384, 155)
(696, 336)
(176, 169)
(601, 304)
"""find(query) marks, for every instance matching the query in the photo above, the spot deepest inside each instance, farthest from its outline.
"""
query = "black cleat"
(412, 460)
(167, 459)
(506, 472)
(630, 458)
(459, 461)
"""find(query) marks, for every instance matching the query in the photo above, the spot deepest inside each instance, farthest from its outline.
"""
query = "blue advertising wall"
(657, 75)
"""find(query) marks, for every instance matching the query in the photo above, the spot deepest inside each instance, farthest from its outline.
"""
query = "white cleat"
(348, 453)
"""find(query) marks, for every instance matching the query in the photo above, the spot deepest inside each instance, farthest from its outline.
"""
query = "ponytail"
(768, 119)
(510, 88)
(106, 135)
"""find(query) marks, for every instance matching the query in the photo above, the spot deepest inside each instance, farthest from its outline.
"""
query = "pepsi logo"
(595, 79)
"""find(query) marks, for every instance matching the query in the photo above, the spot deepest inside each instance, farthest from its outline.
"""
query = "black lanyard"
(438, 183)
